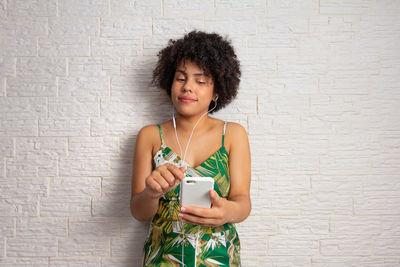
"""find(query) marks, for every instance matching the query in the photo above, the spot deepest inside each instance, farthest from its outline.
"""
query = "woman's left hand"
(214, 216)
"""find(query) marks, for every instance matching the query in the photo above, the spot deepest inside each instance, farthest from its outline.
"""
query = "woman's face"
(192, 89)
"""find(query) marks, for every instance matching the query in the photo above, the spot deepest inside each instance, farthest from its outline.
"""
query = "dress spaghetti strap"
(161, 135)
(223, 135)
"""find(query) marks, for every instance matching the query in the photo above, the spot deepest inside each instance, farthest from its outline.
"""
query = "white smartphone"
(195, 191)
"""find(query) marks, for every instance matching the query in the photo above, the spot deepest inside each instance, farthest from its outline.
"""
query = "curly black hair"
(211, 53)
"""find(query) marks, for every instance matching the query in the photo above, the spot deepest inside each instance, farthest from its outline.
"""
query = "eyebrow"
(195, 74)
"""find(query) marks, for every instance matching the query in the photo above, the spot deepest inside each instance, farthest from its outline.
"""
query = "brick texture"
(319, 98)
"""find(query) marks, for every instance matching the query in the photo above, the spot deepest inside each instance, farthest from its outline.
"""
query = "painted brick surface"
(83, 8)
(319, 98)
(136, 8)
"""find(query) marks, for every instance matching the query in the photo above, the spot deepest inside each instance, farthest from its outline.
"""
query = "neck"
(186, 124)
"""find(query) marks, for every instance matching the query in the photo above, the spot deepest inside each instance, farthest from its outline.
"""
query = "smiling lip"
(186, 99)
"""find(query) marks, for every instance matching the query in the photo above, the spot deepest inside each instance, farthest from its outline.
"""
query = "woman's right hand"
(163, 179)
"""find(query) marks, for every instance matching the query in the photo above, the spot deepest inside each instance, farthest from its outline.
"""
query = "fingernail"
(180, 214)
(183, 209)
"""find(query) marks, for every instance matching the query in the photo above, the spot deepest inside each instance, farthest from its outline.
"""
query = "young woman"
(201, 74)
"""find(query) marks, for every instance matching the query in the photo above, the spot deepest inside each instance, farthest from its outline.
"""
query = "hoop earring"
(215, 105)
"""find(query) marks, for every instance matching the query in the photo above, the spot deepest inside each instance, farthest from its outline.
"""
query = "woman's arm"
(143, 206)
(147, 185)
(237, 207)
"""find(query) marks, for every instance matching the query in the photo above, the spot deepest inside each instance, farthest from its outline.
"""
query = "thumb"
(183, 168)
(214, 197)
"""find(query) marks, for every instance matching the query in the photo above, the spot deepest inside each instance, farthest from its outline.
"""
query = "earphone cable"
(182, 161)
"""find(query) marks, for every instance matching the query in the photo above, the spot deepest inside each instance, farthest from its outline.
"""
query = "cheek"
(174, 89)
(207, 93)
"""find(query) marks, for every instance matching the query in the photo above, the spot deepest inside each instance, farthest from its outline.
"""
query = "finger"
(176, 183)
(172, 187)
(198, 212)
(161, 181)
(214, 197)
(154, 187)
(168, 177)
(177, 172)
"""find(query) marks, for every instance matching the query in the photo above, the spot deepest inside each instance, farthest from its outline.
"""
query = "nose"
(188, 86)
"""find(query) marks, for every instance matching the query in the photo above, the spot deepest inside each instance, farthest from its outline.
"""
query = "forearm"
(143, 207)
(239, 208)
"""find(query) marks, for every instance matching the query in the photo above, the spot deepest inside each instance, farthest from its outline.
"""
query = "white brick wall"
(319, 98)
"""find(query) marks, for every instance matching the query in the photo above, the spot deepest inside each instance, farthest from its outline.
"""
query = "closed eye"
(183, 80)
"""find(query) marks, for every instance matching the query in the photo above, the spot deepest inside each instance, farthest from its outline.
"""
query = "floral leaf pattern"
(171, 242)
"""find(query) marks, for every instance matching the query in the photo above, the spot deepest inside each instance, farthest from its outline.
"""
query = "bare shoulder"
(235, 134)
(148, 136)
(235, 130)
(148, 131)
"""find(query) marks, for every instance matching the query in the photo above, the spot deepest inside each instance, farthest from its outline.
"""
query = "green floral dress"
(170, 241)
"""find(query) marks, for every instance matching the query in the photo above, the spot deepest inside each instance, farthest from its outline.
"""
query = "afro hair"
(212, 53)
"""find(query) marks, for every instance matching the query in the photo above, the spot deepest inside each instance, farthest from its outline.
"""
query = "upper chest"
(197, 149)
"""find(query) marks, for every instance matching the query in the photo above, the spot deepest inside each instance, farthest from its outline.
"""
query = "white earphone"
(182, 162)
